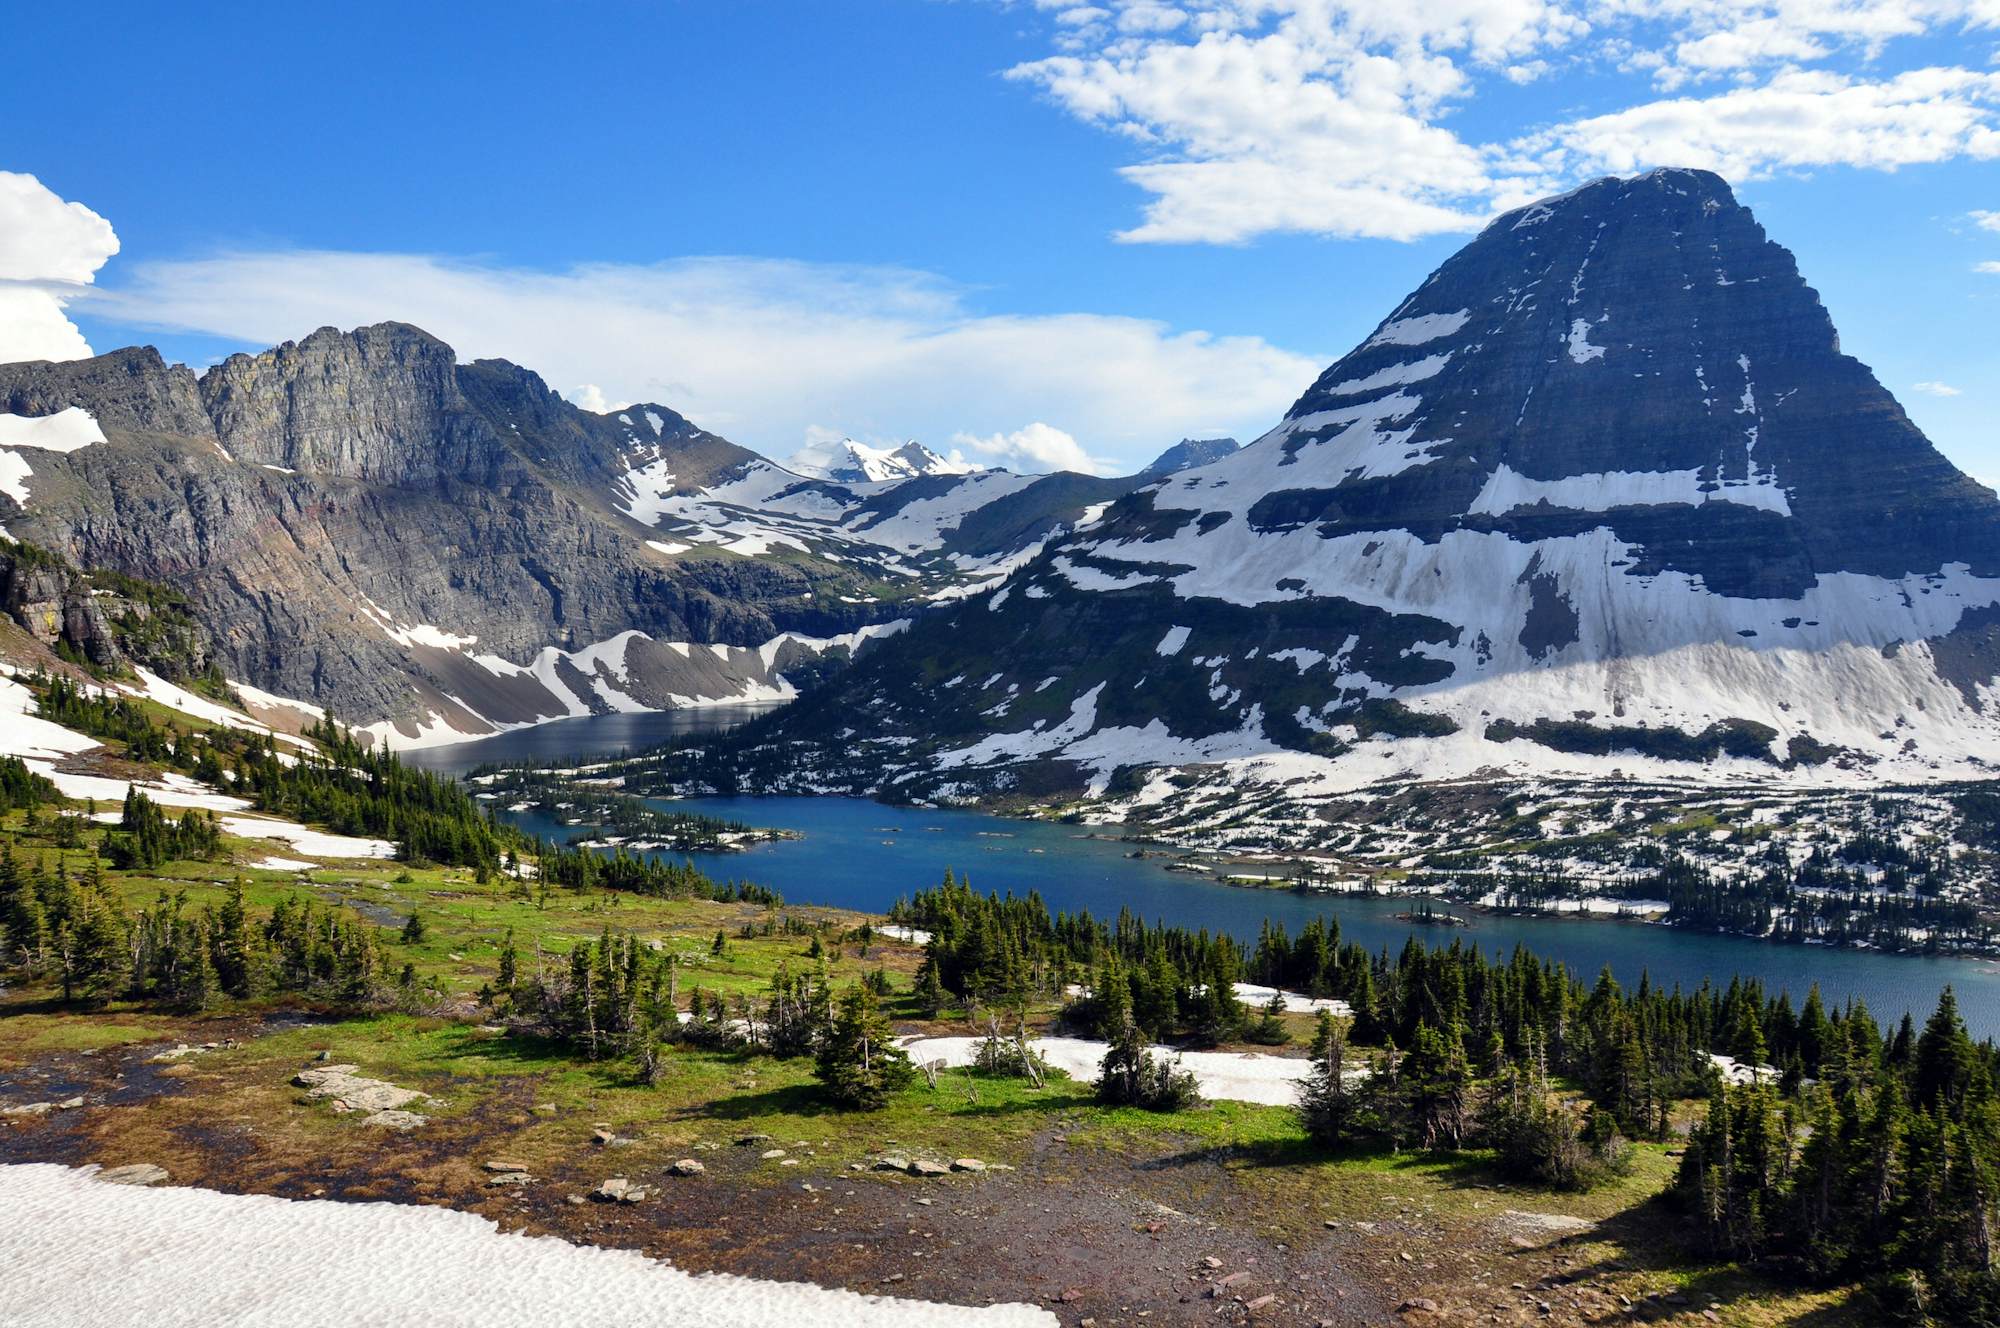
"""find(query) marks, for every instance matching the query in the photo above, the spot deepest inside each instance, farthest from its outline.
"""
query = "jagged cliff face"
(1603, 493)
(365, 524)
(434, 547)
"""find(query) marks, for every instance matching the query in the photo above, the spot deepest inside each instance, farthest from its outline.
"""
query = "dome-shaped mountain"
(1603, 492)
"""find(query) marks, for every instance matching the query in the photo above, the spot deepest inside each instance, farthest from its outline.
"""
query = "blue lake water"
(864, 855)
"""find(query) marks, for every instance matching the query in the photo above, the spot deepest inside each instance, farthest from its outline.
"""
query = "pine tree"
(930, 993)
(859, 1063)
(95, 958)
(1946, 1062)
(1436, 1082)
(232, 946)
(1327, 1103)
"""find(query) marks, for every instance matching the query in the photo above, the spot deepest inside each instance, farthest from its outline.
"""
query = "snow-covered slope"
(1603, 493)
(932, 530)
(851, 462)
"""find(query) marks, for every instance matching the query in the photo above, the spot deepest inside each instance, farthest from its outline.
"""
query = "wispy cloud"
(762, 350)
(1335, 117)
(1935, 389)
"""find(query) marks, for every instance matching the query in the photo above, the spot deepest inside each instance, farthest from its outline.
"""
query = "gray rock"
(136, 1173)
(383, 1103)
(687, 1166)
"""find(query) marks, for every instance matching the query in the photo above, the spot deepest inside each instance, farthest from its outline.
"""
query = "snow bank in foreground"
(82, 1252)
(1224, 1076)
(316, 842)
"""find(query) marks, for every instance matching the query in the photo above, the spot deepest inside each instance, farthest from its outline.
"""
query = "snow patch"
(195, 1257)
(1418, 330)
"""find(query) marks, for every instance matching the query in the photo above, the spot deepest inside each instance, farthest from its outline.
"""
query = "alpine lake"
(859, 854)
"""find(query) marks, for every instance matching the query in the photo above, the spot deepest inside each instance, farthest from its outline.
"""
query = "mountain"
(849, 462)
(1603, 495)
(1189, 453)
(436, 550)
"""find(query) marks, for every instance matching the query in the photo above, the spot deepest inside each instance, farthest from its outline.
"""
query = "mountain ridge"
(438, 550)
(1602, 494)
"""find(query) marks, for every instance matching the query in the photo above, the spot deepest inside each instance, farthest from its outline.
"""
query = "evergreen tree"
(1328, 1105)
(859, 1063)
(1436, 1084)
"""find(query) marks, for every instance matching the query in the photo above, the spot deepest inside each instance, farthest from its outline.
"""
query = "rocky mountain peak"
(1602, 490)
(378, 403)
(1189, 453)
(852, 462)
(134, 388)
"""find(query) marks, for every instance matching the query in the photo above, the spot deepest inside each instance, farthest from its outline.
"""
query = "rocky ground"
(1101, 1226)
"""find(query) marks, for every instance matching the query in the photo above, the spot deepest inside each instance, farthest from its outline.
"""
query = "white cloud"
(759, 350)
(590, 397)
(48, 248)
(1799, 119)
(1935, 389)
(1986, 221)
(1038, 447)
(1336, 117)
(1992, 269)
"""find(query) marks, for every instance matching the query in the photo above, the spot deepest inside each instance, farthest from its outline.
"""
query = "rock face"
(1189, 453)
(357, 518)
(106, 621)
(1603, 493)
(364, 523)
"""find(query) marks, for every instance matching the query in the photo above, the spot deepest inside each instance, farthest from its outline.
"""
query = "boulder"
(920, 1167)
(687, 1166)
(383, 1102)
(136, 1173)
(971, 1164)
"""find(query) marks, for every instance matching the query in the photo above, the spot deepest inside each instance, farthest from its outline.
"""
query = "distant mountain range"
(1602, 496)
(849, 462)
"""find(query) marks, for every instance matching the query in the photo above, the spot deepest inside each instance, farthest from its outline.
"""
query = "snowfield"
(1223, 1076)
(192, 1258)
(317, 843)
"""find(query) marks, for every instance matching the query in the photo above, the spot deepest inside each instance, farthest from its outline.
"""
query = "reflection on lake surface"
(585, 737)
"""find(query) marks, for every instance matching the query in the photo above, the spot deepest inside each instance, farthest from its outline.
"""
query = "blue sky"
(1038, 233)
